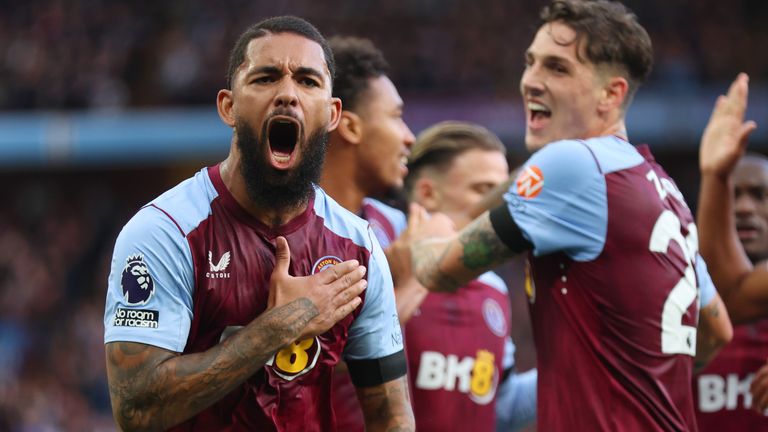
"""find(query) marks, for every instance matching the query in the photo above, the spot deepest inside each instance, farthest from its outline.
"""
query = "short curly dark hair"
(611, 34)
(281, 24)
(357, 61)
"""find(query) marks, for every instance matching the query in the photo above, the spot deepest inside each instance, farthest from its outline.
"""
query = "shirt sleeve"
(559, 201)
(707, 287)
(516, 401)
(150, 285)
(376, 333)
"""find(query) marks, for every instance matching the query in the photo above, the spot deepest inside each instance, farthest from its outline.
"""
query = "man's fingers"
(337, 271)
(282, 255)
(415, 216)
(759, 398)
(719, 107)
(345, 295)
(739, 92)
(746, 129)
(759, 390)
(346, 309)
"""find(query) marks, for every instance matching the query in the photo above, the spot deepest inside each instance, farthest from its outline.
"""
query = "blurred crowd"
(57, 231)
(69, 54)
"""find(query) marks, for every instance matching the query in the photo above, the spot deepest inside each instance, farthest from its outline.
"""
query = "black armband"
(507, 230)
(369, 373)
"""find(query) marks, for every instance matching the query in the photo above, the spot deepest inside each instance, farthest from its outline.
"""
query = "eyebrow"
(549, 57)
(274, 70)
(304, 70)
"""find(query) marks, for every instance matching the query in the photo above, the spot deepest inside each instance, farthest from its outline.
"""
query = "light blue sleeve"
(516, 401)
(559, 201)
(707, 287)
(376, 333)
(149, 294)
(508, 361)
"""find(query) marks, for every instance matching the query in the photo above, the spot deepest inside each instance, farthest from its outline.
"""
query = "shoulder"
(573, 163)
(560, 166)
(341, 221)
(613, 154)
(170, 217)
(394, 216)
(188, 203)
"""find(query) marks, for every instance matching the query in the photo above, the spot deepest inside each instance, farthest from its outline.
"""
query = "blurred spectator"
(105, 54)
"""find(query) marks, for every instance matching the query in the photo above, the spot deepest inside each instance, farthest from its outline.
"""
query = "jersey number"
(296, 359)
(677, 338)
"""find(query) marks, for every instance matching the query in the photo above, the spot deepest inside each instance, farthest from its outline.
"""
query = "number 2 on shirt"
(677, 338)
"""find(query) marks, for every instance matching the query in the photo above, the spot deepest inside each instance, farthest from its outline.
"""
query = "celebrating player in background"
(206, 329)
(366, 157)
(733, 217)
(744, 288)
(612, 245)
(722, 388)
(460, 352)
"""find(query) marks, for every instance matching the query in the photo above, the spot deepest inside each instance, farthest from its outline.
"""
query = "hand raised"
(333, 293)
(725, 137)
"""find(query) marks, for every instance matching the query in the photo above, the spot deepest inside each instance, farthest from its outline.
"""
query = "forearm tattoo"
(479, 248)
(155, 389)
(426, 264)
(386, 407)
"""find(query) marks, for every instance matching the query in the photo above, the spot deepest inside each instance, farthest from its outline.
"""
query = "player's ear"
(224, 104)
(426, 194)
(335, 113)
(350, 127)
(615, 92)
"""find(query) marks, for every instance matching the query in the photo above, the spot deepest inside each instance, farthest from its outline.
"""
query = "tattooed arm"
(387, 407)
(446, 264)
(714, 332)
(154, 389)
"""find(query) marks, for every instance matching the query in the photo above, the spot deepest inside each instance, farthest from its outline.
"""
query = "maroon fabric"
(721, 389)
(450, 388)
(597, 324)
(384, 229)
(349, 415)
(238, 294)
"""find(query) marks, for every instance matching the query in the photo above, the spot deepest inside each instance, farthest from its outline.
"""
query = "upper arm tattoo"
(386, 407)
(446, 265)
(481, 247)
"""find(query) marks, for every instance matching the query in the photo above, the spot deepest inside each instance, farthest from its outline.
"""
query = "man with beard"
(212, 322)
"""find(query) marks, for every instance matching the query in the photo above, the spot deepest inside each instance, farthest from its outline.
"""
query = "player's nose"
(530, 83)
(286, 95)
(408, 138)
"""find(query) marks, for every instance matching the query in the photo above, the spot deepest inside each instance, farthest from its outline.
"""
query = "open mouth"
(538, 114)
(283, 135)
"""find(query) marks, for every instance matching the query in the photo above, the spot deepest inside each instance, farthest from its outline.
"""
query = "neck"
(339, 180)
(235, 183)
(617, 128)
